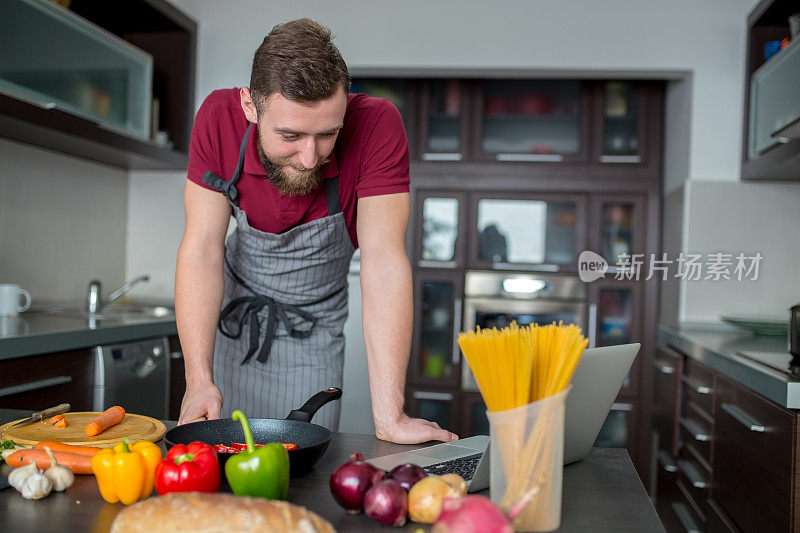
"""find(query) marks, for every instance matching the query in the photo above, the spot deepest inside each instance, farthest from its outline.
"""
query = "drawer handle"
(176, 355)
(620, 159)
(743, 418)
(443, 156)
(695, 386)
(685, 517)
(692, 474)
(441, 396)
(531, 158)
(35, 385)
(664, 368)
(694, 428)
(666, 462)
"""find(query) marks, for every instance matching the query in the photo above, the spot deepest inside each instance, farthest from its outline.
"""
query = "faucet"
(94, 299)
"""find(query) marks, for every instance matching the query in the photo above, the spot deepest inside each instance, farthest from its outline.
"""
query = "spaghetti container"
(527, 452)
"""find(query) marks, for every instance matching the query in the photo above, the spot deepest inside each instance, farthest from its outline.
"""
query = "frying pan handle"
(313, 405)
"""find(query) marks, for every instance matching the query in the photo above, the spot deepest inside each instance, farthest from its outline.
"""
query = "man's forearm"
(387, 308)
(199, 286)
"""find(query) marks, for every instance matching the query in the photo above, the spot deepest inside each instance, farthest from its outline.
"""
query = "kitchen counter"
(760, 363)
(601, 493)
(36, 332)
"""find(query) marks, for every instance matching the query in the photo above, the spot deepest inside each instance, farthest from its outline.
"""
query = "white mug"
(10, 299)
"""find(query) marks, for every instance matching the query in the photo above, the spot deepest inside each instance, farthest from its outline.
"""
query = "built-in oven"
(496, 299)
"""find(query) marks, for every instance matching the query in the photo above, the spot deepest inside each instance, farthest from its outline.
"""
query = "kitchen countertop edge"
(59, 341)
(770, 383)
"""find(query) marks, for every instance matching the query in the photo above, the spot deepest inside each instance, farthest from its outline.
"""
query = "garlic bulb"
(36, 486)
(18, 476)
(60, 476)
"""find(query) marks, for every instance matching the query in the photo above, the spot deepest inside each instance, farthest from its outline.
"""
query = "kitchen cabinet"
(438, 305)
(114, 85)
(440, 229)
(771, 143)
(41, 381)
(734, 464)
(177, 377)
(444, 115)
(618, 227)
(535, 121)
(434, 405)
(518, 231)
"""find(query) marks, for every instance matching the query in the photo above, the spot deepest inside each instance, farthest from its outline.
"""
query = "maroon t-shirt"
(370, 158)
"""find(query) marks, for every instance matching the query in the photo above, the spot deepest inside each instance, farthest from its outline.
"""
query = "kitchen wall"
(731, 218)
(62, 222)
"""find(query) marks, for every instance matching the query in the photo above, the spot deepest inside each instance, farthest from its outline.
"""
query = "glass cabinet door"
(443, 132)
(439, 222)
(527, 232)
(618, 227)
(437, 323)
(435, 406)
(622, 123)
(397, 91)
(532, 120)
(617, 307)
(473, 415)
(54, 59)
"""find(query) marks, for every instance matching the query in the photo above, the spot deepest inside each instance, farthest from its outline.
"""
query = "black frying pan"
(312, 440)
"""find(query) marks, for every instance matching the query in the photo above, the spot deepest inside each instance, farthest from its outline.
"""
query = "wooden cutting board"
(134, 427)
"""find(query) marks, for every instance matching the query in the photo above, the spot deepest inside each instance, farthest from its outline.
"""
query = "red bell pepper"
(188, 468)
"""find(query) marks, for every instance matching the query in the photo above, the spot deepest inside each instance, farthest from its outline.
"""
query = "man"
(294, 158)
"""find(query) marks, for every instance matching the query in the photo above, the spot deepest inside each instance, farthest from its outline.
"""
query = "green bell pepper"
(261, 472)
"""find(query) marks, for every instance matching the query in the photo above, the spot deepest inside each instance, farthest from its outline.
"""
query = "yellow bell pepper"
(126, 472)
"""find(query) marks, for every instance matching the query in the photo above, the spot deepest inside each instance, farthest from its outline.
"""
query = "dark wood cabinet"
(734, 465)
(169, 36)
(177, 377)
(41, 381)
(521, 176)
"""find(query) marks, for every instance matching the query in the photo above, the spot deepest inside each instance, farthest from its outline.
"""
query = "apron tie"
(276, 312)
(228, 188)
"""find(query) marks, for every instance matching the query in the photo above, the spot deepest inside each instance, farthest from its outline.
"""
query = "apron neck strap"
(332, 194)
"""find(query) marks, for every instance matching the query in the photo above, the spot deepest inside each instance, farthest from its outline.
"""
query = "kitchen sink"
(114, 311)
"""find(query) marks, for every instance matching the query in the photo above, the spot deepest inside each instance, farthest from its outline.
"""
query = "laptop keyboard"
(463, 466)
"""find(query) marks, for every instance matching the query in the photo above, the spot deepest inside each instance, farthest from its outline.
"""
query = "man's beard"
(290, 185)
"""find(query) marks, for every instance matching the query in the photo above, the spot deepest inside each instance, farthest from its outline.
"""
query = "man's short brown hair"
(299, 60)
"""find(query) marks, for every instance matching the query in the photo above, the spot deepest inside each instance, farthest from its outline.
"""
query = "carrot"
(67, 448)
(61, 423)
(106, 419)
(57, 418)
(78, 464)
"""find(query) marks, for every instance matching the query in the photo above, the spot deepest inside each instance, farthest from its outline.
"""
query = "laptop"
(595, 385)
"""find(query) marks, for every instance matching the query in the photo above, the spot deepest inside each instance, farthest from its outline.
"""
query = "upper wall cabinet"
(113, 84)
(530, 127)
(771, 148)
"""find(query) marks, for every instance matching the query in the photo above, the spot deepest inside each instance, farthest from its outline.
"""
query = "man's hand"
(407, 430)
(200, 403)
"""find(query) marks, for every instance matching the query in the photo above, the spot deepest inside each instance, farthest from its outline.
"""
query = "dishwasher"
(134, 375)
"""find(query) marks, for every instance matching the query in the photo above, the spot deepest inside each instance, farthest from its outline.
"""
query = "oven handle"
(592, 325)
(456, 330)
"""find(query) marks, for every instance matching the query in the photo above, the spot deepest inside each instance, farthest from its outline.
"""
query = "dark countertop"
(759, 362)
(601, 493)
(35, 332)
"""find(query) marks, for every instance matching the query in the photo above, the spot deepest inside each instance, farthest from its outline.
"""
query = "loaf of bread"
(216, 513)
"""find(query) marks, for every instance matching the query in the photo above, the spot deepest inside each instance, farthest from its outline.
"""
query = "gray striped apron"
(280, 334)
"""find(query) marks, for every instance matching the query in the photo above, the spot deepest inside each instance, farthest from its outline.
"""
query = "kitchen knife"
(47, 413)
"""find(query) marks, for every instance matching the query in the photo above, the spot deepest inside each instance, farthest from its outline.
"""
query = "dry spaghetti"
(514, 367)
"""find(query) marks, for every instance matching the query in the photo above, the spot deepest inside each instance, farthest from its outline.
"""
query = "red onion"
(386, 502)
(471, 514)
(407, 475)
(351, 481)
